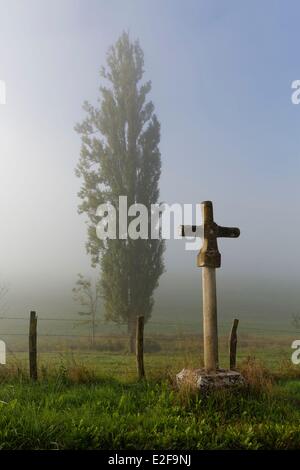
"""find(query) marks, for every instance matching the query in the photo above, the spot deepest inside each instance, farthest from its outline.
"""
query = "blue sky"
(221, 76)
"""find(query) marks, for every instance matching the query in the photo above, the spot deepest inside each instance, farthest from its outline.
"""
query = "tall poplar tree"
(120, 157)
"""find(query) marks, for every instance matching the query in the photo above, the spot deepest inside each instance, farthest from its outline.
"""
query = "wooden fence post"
(232, 344)
(139, 350)
(32, 346)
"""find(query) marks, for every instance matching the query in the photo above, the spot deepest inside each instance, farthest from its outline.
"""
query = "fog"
(230, 134)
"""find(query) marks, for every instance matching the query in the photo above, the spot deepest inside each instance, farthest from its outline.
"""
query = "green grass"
(109, 414)
(92, 400)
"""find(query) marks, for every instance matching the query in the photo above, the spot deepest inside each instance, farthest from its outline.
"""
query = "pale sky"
(221, 84)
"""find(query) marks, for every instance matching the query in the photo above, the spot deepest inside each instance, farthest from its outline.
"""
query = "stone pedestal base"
(200, 379)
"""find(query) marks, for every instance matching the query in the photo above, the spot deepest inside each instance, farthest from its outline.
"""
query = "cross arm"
(209, 255)
(228, 232)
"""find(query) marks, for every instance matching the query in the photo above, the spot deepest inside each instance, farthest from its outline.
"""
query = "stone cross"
(209, 258)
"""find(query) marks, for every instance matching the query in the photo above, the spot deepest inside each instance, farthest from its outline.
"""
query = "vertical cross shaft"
(209, 259)
(210, 321)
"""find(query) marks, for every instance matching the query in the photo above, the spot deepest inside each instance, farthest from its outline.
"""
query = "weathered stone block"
(200, 379)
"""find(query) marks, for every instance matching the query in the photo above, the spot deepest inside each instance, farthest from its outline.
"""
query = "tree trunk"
(93, 334)
(93, 328)
(140, 347)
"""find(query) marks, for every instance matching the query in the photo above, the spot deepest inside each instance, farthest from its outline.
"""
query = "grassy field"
(92, 400)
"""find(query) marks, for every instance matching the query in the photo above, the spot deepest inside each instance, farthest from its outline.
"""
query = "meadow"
(91, 399)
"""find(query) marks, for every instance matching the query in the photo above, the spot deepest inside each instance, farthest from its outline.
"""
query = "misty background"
(221, 77)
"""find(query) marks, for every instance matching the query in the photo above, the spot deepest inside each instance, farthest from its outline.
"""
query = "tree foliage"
(120, 156)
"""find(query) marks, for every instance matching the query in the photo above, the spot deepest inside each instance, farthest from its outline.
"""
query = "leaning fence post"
(32, 346)
(232, 344)
(140, 347)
